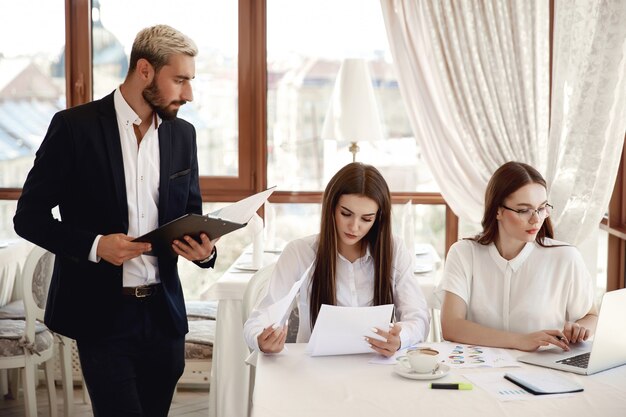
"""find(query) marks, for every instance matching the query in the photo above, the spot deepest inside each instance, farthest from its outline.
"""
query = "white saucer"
(246, 267)
(402, 370)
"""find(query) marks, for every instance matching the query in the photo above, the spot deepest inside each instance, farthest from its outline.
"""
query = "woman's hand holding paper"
(272, 340)
(392, 341)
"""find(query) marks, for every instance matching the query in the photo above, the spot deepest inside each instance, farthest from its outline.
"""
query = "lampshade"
(352, 114)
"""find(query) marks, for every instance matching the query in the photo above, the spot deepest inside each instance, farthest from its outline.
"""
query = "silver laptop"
(607, 350)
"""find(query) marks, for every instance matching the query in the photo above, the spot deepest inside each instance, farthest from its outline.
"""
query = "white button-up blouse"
(355, 288)
(539, 289)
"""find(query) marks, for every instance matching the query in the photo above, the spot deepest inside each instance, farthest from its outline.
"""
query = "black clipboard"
(191, 225)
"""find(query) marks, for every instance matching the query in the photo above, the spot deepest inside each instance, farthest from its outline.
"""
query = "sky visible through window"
(353, 27)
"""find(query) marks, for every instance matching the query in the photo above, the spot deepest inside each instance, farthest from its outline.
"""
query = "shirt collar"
(514, 263)
(126, 115)
(364, 258)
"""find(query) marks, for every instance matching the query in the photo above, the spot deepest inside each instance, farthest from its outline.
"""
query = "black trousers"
(133, 371)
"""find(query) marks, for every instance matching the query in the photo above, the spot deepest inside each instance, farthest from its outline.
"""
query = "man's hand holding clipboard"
(214, 225)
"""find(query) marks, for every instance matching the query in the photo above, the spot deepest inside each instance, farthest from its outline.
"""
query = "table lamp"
(352, 114)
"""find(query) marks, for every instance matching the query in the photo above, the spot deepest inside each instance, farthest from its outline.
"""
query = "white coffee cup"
(420, 360)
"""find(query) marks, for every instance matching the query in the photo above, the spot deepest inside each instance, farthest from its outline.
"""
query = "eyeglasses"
(542, 212)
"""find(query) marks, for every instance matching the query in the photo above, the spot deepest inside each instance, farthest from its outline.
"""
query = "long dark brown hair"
(364, 180)
(507, 179)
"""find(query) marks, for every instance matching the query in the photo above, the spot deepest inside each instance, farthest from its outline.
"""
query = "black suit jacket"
(79, 167)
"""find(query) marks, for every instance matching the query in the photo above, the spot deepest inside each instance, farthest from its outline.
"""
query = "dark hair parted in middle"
(507, 179)
(363, 180)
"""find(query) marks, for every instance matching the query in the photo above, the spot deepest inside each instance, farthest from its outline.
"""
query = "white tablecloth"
(230, 376)
(295, 384)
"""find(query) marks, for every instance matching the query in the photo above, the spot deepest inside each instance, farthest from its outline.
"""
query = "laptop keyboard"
(579, 361)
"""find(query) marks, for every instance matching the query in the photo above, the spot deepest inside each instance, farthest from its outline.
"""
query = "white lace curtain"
(588, 117)
(475, 79)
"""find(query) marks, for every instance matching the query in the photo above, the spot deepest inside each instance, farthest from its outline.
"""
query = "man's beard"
(152, 95)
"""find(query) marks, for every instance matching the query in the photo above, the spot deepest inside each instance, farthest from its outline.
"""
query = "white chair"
(25, 344)
(256, 289)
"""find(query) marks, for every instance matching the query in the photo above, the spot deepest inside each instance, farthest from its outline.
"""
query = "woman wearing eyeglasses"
(513, 286)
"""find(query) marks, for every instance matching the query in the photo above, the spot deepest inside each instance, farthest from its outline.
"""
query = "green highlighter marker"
(460, 386)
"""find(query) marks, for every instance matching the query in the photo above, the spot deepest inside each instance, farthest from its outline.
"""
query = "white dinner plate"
(275, 251)
(422, 268)
(248, 267)
(422, 248)
(402, 370)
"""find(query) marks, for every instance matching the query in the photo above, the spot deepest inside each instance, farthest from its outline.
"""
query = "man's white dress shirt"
(142, 175)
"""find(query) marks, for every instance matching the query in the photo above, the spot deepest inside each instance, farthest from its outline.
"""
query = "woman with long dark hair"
(354, 261)
(513, 285)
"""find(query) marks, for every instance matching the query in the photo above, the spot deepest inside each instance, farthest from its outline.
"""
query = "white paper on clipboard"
(243, 210)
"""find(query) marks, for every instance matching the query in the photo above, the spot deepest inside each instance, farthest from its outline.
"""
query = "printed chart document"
(472, 356)
(216, 224)
(460, 356)
(341, 330)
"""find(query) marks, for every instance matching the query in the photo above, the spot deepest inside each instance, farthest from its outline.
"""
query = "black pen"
(457, 385)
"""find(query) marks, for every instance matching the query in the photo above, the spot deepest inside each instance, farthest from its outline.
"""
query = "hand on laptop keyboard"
(533, 341)
(575, 332)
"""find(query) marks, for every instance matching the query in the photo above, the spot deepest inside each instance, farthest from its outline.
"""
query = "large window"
(306, 43)
(213, 26)
(32, 83)
(264, 77)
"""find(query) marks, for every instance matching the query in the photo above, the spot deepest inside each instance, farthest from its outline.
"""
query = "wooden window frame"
(315, 197)
(252, 84)
(615, 225)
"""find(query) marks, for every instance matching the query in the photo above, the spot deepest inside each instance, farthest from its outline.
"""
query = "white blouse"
(355, 288)
(539, 289)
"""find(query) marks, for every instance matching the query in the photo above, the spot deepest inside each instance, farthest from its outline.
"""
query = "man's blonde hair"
(157, 43)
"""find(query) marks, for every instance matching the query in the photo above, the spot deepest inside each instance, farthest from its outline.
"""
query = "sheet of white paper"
(243, 210)
(341, 330)
(278, 313)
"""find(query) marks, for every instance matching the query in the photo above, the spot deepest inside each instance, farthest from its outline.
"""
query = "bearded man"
(118, 168)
